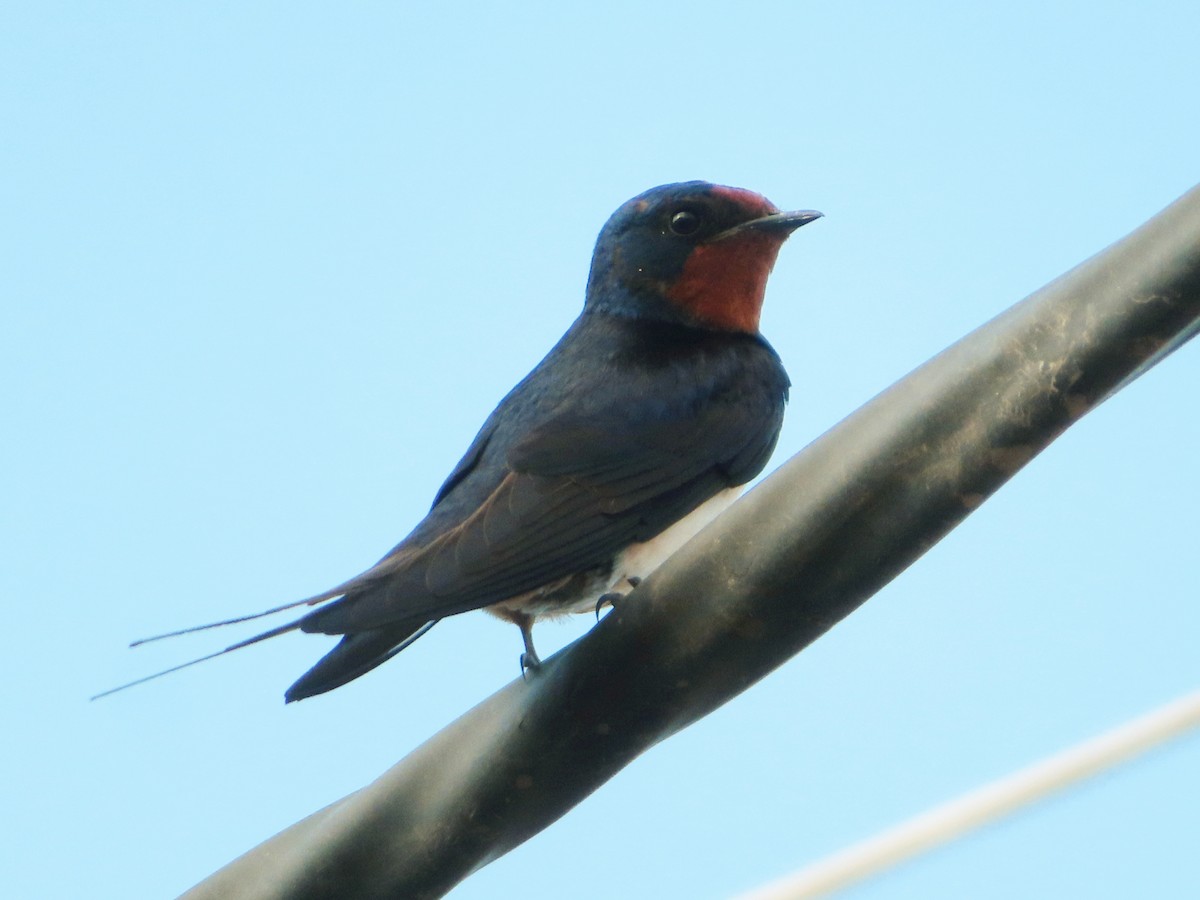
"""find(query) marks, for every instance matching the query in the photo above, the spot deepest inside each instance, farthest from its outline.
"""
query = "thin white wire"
(982, 805)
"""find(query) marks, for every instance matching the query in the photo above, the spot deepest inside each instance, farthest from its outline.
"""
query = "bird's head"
(694, 253)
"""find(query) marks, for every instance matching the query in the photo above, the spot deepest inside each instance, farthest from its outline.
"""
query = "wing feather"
(571, 489)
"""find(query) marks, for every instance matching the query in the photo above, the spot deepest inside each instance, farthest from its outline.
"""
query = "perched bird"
(639, 426)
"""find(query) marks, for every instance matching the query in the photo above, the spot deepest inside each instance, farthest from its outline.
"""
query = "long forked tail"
(356, 654)
(324, 670)
(282, 629)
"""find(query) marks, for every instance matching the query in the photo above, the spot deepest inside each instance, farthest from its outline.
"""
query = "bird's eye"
(685, 222)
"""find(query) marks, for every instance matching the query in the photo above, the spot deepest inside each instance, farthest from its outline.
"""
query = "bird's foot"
(529, 663)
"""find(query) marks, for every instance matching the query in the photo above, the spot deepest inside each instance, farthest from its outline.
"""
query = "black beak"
(780, 223)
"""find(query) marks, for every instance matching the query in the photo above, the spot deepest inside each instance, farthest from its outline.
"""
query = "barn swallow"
(645, 420)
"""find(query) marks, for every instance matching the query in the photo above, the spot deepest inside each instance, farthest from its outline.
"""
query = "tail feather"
(282, 629)
(355, 655)
(357, 583)
(191, 629)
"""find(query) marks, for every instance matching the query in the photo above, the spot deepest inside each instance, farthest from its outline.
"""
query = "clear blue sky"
(266, 267)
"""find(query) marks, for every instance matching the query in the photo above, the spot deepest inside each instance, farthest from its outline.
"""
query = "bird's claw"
(609, 599)
(612, 597)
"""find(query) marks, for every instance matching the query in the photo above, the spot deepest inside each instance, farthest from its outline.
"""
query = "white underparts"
(639, 560)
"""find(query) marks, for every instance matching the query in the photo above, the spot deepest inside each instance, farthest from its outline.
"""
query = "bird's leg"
(529, 659)
(612, 597)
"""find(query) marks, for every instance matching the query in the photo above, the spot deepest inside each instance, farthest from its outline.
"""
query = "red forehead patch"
(756, 204)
